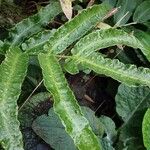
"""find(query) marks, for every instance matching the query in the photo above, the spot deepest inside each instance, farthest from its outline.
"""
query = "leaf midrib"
(4, 97)
(88, 61)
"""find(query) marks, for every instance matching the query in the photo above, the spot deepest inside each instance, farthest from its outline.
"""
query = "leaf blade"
(142, 12)
(128, 74)
(65, 104)
(12, 71)
(34, 44)
(146, 129)
(76, 28)
(33, 24)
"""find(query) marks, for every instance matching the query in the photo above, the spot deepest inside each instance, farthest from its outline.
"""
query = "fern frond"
(76, 28)
(128, 74)
(34, 45)
(12, 73)
(65, 104)
(103, 39)
(33, 24)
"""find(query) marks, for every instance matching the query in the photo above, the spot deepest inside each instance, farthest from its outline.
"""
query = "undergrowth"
(82, 44)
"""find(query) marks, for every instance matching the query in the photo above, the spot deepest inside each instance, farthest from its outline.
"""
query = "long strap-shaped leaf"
(34, 45)
(76, 28)
(128, 74)
(33, 24)
(12, 73)
(98, 40)
(65, 104)
(103, 39)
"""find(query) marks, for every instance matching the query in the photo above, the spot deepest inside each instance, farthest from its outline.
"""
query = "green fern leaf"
(65, 104)
(35, 43)
(103, 39)
(128, 74)
(33, 24)
(146, 129)
(12, 73)
(76, 28)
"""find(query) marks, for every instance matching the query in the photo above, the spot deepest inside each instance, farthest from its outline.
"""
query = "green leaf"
(105, 38)
(131, 104)
(1, 48)
(129, 100)
(76, 28)
(144, 38)
(65, 104)
(106, 145)
(110, 128)
(33, 24)
(126, 9)
(142, 12)
(12, 73)
(36, 43)
(128, 74)
(111, 2)
(27, 114)
(146, 129)
(51, 130)
(95, 123)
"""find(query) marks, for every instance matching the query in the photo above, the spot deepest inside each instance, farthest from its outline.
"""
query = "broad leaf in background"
(142, 12)
(95, 123)
(67, 7)
(110, 128)
(66, 106)
(27, 113)
(106, 145)
(146, 129)
(131, 104)
(144, 38)
(126, 9)
(12, 73)
(111, 2)
(51, 130)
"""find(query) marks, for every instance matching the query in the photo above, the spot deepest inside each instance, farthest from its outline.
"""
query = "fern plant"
(29, 38)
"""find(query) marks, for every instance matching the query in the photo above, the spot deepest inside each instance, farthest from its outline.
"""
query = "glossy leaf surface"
(12, 73)
(128, 74)
(65, 104)
(76, 28)
(34, 45)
